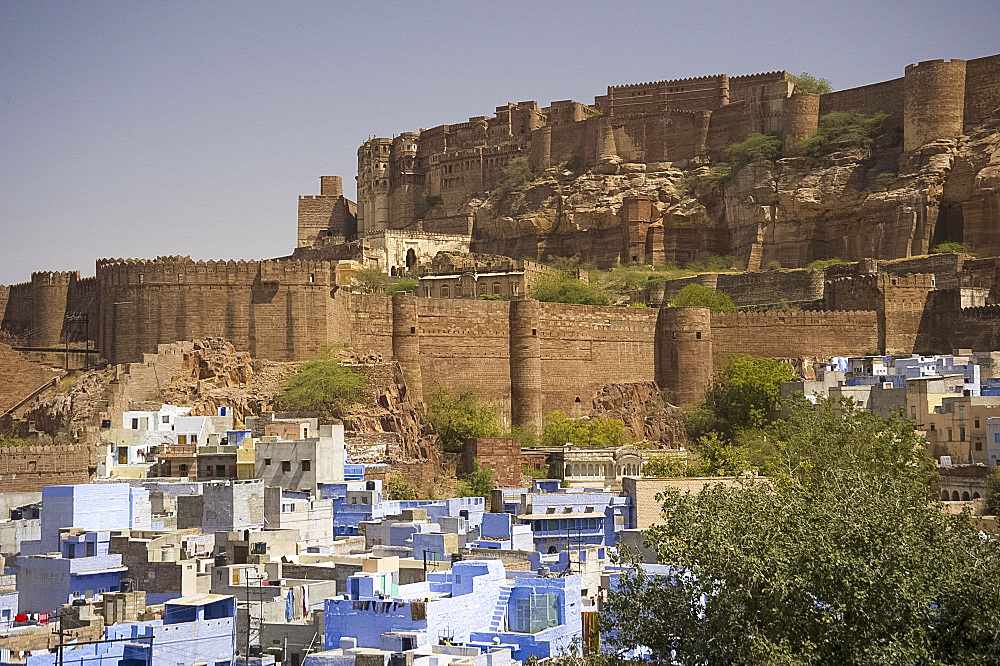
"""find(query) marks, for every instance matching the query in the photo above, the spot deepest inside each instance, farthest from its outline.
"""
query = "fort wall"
(982, 89)
(884, 97)
(793, 334)
(933, 101)
(31, 468)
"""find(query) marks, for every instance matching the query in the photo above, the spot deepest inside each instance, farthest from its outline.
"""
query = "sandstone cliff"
(886, 205)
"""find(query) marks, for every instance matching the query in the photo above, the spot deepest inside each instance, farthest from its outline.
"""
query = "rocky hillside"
(888, 204)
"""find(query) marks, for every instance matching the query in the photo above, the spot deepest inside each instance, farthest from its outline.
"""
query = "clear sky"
(137, 129)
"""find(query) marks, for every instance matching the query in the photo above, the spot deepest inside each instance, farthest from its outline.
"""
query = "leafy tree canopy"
(593, 431)
(700, 296)
(807, 84)
(755, 148)
(664, 467)
(821, 264)
(843, 130)
(477, 483)
(515, 176)
(375, 281)
(747, 393)
(323, 385)
(460, 414)
(566, 289)
(840, 557)
(950, 246)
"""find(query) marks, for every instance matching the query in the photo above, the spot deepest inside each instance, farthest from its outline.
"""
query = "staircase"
(499, 620)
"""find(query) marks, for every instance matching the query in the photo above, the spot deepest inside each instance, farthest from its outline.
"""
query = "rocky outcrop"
(646, 415)
(887, 205)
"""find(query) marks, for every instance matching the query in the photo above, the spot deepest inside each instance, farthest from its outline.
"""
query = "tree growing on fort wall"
(807, 84)
(515, 177)
(563, 288)
(323, 385)
(376, 281)
(398, 488)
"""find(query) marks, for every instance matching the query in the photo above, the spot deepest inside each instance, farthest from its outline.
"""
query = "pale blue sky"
(145, 128)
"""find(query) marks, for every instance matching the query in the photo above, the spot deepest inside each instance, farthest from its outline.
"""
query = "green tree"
(700, 296)
(845, 561)
(593, 431)
(323, 385)
(460, 414)
(843, 130)
(477, 483)
(664, 467)
(807, 84)
(371, 280)
(748, 392)
(821, 264)
(398, 488)
(566, 289)
(400, 284)
(717, 457)
(757, 147)
(950, 246)
(515, 176)
(543, 473)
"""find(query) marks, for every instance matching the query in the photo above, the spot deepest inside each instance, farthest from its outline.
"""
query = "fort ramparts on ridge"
(530, 357)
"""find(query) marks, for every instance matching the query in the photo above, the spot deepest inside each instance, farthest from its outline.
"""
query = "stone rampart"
(30, 468)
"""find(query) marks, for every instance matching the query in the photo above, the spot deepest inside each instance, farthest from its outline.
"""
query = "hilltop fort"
(424, 192)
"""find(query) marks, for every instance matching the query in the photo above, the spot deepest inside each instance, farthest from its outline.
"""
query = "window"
(90, 548)
(949, 435)
(286, 465)
(165, 419)
(977, 423)
(979, 446)
(306, 465)
(496, 288)
(697, 335)
(184, 469)
(182, 439)
(220, 470)
(482, 290)
(445, 291)
(135, 424)
(194, 439)
(536, 612)
(961, 434)
(913, 413)
(267, 462)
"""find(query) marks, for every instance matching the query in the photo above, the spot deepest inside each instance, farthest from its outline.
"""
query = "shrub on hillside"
(843, 130)
(950, 246)
(566, 289)
(460, 414)
(807, 84)
(323, 385)
(821, 264)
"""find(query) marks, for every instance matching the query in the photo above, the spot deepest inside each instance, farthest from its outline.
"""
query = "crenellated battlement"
(54, 278)
(664, 82)
(301, 272)
(772, 317)
(175, 270)
(983, 312)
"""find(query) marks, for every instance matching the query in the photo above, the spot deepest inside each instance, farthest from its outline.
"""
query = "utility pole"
(284, 650)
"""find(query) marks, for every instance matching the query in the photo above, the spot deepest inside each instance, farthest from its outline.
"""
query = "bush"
(700, 296)
(527, 436)
(755, 148)
(491, 297)
(397, 488)
(371, 280)
(710, 179)
(566, 289)
(323, 385)
(430, 203)
(807, 84)
(477, 483)
(821, 264)
(515, 176)
(714, 262)
(950, 246)
(587, 432)
(664, 467)
(535, 473)
(400, 284)
(774, 265)
(842, 130)
(462, 414)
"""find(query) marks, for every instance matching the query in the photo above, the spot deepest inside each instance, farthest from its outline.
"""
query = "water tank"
(370, 485)
(221, 560)
(543, 571)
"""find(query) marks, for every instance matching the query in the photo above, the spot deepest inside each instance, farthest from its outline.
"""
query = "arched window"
(945, 496)
(954, 496)
(411, 258)
(975, 495)
(965, 496)
(482, 290)
(496, 288)
(445, 291)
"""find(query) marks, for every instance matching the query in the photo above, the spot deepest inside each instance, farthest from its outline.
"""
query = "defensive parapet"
(934, 102)
(525, 365)
(801, 118)
(684, 352)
